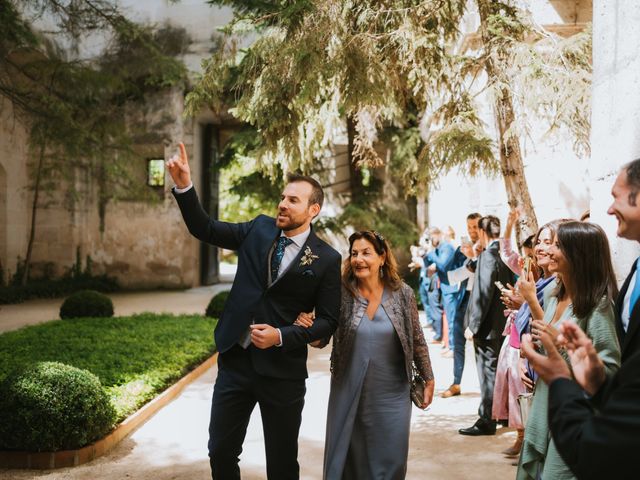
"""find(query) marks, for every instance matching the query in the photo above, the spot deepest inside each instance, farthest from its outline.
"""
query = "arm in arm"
(327, 309)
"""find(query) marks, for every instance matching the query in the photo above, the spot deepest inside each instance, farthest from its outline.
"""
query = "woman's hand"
(527, 288)
(428, 393)
(316, 344)
(524, 374)
(538, 327)
(511, 298)
(305, 320)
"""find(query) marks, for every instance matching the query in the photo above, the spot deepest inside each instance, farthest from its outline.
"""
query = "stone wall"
(144, 244)
(14, 193)
(615, 118)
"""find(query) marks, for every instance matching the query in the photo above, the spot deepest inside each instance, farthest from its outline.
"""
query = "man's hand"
(178, 167)
(264, 336)
(588, 368)
(467, 250)
(548, 368)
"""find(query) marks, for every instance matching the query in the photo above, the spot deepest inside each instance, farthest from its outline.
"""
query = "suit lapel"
(623, 336)
(312, 242)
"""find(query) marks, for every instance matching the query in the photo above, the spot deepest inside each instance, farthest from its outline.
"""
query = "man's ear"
(314, 210)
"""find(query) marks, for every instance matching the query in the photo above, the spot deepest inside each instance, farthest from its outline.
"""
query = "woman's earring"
(381, 271)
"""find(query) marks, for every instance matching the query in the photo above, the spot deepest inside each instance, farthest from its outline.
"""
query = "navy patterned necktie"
(278, 253)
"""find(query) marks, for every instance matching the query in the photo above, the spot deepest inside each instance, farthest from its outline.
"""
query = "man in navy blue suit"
(283, 269)
(442, 256)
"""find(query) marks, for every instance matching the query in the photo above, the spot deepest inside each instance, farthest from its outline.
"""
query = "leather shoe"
(479, 428)
(452, 391)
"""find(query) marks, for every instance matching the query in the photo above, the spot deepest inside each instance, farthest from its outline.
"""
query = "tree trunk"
(511, 164)
(34, 210)
(355, 175)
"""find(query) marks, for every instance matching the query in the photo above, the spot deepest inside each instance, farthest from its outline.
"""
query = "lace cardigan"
(402, 310)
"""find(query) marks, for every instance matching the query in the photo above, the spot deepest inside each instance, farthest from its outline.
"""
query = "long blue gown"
(369, 407)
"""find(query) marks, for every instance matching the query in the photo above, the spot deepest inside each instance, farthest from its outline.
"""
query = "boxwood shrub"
(216, 305)
(51, 406)
(86, 303)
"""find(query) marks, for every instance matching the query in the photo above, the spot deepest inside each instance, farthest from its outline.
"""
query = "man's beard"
(291, 225)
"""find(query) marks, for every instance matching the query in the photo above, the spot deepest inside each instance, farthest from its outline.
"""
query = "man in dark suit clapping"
(283, 269)
(595, 420)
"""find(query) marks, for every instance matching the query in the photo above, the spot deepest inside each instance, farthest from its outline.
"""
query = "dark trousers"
(487, 352)
(237, 390)
(459, 342)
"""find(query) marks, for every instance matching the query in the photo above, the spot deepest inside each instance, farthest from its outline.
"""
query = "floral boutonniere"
(308, 257)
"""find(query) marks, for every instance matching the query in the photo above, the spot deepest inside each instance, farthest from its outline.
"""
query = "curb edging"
(73, 458)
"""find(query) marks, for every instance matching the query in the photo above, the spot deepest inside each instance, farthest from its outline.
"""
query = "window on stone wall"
(155, 172)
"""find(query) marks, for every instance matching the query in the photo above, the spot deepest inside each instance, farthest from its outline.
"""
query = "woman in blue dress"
(378, 344)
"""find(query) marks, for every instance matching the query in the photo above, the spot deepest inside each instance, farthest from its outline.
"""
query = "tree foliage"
(318, 63)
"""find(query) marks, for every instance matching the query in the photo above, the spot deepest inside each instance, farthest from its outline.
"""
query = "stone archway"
(3, 224)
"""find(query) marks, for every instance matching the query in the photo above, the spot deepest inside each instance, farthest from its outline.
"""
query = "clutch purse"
(416, 391)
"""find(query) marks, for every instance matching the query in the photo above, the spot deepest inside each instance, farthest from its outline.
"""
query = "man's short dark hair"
(633, 180)
(490, 225)
(473, 216)
(317, 194)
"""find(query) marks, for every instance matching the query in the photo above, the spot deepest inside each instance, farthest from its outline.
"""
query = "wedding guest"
(462, 273)
(598, 434)
(509, 382)
(581, 259)
(486, 321)
(375, 348)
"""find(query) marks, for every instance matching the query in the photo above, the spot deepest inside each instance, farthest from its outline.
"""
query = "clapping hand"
(588, 368)
(178, 167)
(540, 326)
(550, 367)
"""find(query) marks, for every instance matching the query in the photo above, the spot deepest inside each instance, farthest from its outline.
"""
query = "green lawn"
(135, 357)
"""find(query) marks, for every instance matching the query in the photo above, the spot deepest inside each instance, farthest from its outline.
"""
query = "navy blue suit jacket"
(301, 288)
(443, 258)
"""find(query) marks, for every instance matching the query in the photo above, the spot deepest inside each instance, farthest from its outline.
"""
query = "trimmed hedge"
(216, 305)
(86, 303)
(134, 357)
(50, 406)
